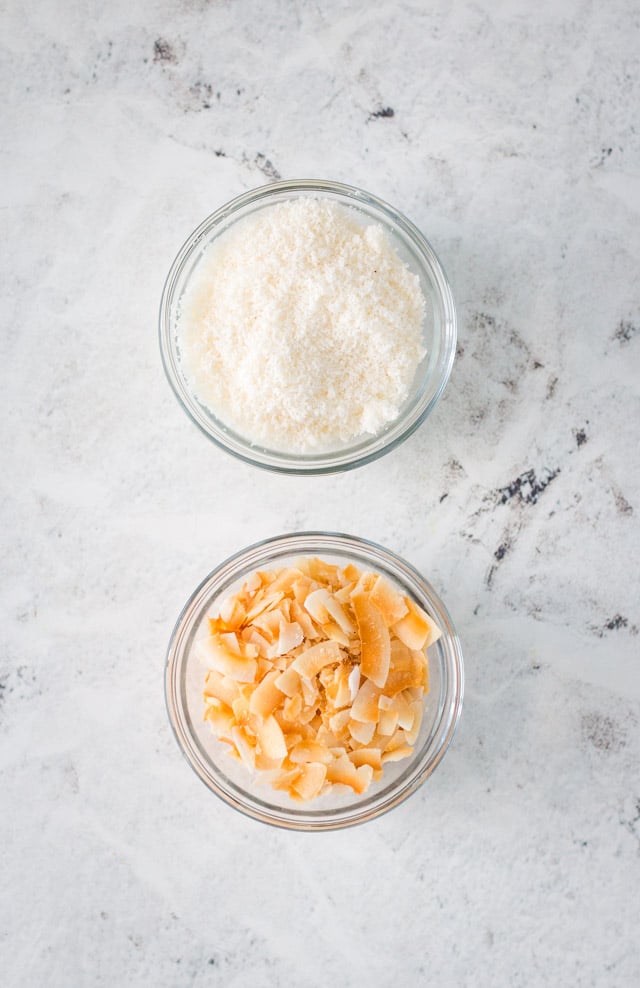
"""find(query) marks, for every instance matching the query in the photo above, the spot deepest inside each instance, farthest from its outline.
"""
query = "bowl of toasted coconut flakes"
(314, 681)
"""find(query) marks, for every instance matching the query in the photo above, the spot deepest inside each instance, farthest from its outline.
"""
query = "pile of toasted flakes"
(317, 676)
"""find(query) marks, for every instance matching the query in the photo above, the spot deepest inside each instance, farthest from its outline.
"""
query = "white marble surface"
(514, 145)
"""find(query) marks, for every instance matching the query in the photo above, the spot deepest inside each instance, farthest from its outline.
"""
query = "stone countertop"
(511, 138)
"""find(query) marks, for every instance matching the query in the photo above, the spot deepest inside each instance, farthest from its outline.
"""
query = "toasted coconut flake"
(343, 595)
(300, 616)
(406, 670)
(366, 756)
(342, 697)
(312, 660)
(309, 783)
(232, 613)
(365, 775)
(339, 615)
(389, 602)
(240, 707)
(350, 574)
(364, 584)
(266, 764)
(413, 732)
(397, 754)
(302, 588)
(326, 738)
(310, 751)
(288, 682)
(243, 746)
(266, 696)
(285, 580)
(271, 739)
(266, 603)
(306, 715)
(376, 645)
(269, 625)
(323, 572)
(354, 682)
(230, 641)
(315, 604)
(387, 722)
(421, 659)
(404, 710)
(365, 705)
(290, 637)
(254, 637)
(284, 779)
(213, 653)
(221, 718)
(335, 634)
(252, 584)
(292, 738)
(416, 629)
(309, 692)
(264, 666)
(221, 687)
(343, 772)
(362, 733)
(339, 722)
(397, 740)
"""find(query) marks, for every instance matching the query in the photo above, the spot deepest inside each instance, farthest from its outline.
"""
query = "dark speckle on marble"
(605, 153)
(527, 487)
(632, 822)
(163, 52)
(551, 387)
(499, 554)
(625, 331)
(202, 94)
(482, 320)
(264, 165)
(617, 622)
(622, 505)
(581, 437)
(382, 113)
(502, 550)
(603, 732)
(267, 167)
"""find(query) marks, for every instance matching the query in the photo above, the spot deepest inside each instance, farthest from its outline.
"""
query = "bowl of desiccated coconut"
(314, 681)
(307, 327)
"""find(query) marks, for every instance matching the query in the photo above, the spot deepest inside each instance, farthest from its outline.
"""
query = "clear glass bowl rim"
(333, 461)
(256, 556)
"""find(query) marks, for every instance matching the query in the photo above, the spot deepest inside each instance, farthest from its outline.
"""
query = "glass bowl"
(228, 778)
(439, 327)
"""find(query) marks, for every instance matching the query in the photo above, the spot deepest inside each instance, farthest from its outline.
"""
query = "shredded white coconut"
(302, 327)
